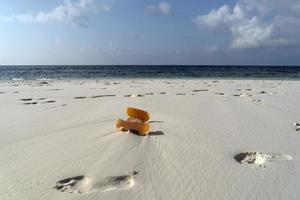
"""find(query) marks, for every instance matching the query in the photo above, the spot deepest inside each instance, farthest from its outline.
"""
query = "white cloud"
(76, 12)
(214, 18)
(257, 23)
(163, 8)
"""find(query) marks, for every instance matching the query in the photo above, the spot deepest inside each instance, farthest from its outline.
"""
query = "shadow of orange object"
(156, 133)
(140, 127)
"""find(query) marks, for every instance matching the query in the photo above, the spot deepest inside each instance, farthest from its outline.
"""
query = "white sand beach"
(209, 139)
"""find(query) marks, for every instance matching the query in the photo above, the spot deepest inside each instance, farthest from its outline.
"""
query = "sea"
(45, 72)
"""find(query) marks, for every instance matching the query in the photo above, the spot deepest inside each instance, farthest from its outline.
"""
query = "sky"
(150, 32)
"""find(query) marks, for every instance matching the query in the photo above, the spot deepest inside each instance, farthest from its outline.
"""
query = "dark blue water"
(133, 71)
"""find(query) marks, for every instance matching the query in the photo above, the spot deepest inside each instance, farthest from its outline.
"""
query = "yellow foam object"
(138, 114)
(140, 127)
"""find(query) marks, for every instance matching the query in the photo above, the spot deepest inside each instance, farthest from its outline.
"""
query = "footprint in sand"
(135, 86)
(105, 95)
(297, 126)
(263, 92)
(84, 184)
(150, 93)
(27, 99)
(246, 95)
(138, 95)
(51, 101)
(43, 83)
(256, 100)
(181, 94)
(79, 97)
(55, 89)
(134, 95)
(242, 95)
(42, 98)
(30, 103)
(200, 90)
(258, 159)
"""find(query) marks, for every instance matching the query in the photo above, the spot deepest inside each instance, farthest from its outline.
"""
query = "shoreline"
(150, 78)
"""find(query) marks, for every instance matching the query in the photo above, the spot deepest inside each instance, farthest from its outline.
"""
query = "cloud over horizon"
(163, 8)
(76, 12)
(256, 23)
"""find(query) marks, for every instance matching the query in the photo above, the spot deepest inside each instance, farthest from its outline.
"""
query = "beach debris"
(138, 113)
(259, 159)
(136, 123)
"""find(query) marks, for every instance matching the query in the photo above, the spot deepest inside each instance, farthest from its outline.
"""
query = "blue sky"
(249, 32)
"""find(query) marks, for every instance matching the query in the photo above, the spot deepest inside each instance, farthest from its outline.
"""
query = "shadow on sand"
(152, 133)
(156, 133)
(153, 122)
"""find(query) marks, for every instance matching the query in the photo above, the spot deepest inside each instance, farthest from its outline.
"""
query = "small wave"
(44, 79)
(18, 79)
